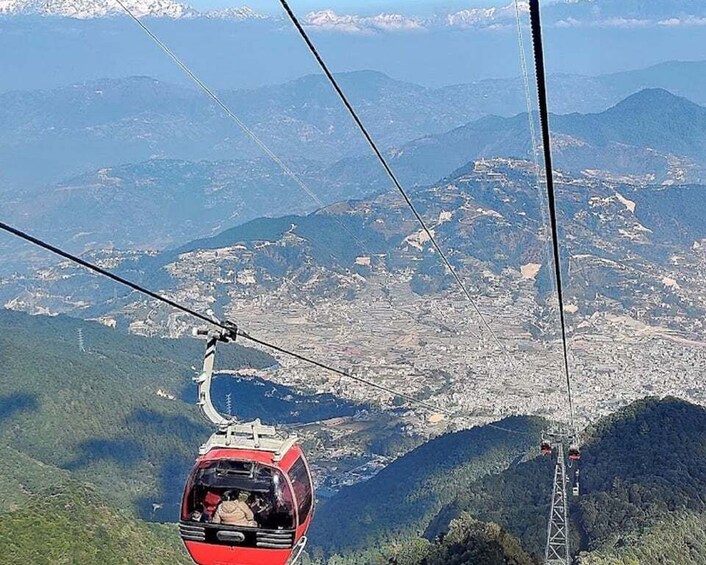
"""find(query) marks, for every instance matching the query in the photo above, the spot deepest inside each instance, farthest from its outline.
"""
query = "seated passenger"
(234, 511)
(210, 503)
(197, 515)
(263, 509)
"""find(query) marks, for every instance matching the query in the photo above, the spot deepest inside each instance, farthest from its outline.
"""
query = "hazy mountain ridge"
(168, 202)
(619, 237)
(110, 122)
(115, 121)
(650, 138)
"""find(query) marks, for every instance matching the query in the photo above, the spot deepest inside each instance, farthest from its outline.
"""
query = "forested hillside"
(400, 501)
(47, 517)
(642, 480)
(471, 541)
(641, 466)
(99, 414)
(71, 525)
(680, 538)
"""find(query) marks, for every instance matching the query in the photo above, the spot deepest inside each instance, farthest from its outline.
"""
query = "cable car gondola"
(546, 447)
(574, 452)
(577, 488)
(249, 499)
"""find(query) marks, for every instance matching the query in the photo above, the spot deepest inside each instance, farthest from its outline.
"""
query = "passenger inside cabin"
(210, 503)
(234, 510)
(198, 514)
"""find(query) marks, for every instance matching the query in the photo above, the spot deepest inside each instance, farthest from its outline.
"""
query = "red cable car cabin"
(264, 483)
(574, 452)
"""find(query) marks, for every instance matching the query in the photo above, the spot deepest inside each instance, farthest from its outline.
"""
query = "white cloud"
(627, 23)
(684, 21)
(568, 22)
(619, 23)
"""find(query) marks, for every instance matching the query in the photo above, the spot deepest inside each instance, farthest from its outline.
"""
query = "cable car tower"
(557, 551)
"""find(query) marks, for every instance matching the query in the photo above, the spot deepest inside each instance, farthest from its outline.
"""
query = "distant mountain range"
(238, 48)
(113, 122)
(110, 122)
(85, 9)
(650, 138)
(565, 13)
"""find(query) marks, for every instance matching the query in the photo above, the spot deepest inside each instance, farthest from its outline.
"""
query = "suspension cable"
(535, 18)
(390, 173)
(226, 109)
(343, 373)
(530, 118)
(229, 327)
(526, 85)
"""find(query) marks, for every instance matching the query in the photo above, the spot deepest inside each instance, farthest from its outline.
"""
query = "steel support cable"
(227, 326)
(223, 106)
(390, 173)
(346, 374)
(536, 23)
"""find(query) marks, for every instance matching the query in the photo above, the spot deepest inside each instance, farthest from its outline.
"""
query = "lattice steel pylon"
(557, 552)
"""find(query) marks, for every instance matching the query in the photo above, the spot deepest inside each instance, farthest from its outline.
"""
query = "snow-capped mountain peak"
(474, 17)
(329, 20)
(239, 14)
(89, 9)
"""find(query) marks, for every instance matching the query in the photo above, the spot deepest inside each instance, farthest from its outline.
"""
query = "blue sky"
(351, 6)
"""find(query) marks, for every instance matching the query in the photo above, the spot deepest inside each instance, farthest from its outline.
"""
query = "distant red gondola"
(546, 447)
(574, 452)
